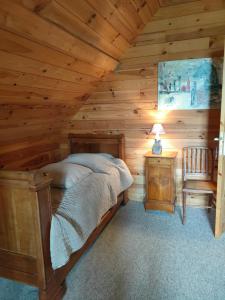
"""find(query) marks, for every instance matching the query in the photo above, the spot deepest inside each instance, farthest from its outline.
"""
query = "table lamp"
(157, 129)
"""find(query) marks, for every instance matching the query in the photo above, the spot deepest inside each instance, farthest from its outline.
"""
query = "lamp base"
(157, 147)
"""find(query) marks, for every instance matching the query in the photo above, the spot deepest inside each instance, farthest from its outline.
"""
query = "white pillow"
(95, 161)
(65, 175)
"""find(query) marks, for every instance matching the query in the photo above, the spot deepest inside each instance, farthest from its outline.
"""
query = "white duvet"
(78, 210)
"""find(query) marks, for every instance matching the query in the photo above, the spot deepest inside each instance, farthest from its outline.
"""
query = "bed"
(25, 220)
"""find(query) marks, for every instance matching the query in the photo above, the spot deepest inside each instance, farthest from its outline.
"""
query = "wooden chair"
(198, 169)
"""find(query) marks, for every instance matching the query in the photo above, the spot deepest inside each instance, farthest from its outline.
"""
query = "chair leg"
(184, 209)
(210, 203)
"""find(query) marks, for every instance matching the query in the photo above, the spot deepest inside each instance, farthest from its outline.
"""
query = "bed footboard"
(25, 219)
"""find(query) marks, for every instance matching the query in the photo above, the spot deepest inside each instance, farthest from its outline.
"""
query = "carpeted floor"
(145, 255)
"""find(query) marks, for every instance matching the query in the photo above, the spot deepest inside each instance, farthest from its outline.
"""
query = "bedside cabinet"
(160, 181)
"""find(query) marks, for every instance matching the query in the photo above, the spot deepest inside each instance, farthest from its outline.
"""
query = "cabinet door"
(160, 181)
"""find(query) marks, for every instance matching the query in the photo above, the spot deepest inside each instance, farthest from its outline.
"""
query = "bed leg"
(125, 198)
(55, 292)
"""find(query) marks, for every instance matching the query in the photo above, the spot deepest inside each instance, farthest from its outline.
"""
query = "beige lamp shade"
(157, 129)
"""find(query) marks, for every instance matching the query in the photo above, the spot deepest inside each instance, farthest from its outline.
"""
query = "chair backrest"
(198, 163)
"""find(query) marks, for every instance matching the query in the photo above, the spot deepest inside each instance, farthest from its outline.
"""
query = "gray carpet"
(145, 255)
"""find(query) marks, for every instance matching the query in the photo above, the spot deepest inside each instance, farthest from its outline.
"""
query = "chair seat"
(199, 186)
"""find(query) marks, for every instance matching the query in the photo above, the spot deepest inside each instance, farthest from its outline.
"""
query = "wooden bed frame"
(25, 219)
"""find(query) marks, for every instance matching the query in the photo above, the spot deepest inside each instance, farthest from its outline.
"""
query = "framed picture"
(190, 84)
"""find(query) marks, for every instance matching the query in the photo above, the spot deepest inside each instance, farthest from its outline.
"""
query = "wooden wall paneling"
(143, 10)
(200, 19)
(69, 22)
(173, 2)
(211, 5)
(53, 54)
(9, 77)
(110, 13)
(18, 45)
(128, 12)
(193, 32)
(27, 65)
(183, 128)
(126, 100)
(19, 112)
(87, 14)
(154, 6)
(15, 94)
(168, 48)
(30, 25)
(141, 62)
(180, 9)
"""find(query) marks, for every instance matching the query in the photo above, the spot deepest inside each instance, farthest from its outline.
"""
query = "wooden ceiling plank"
(128, 12)
(25, 79)
(111, 14)
(56, 14)
(30, 113)
(28, 65)
(15, 44)
(21, 133)
(89, 16)
(22, 99)
(143, 10)
(154, 6)
(22, 144)
(19, 19)
(31, 93)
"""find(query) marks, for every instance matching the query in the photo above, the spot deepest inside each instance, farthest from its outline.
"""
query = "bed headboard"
(98, 143)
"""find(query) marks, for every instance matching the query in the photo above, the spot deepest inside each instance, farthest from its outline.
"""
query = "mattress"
(78, 210)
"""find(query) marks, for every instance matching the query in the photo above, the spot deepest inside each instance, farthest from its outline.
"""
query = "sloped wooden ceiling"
(126, 100)
(52, 55)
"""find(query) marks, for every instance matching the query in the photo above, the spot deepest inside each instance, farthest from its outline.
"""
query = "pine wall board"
(126, 100)
(134, 117)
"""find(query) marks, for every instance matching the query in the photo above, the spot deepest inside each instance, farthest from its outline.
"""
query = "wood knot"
(142, 72)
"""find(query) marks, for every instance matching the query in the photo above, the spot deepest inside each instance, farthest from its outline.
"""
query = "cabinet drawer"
(159, 161)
